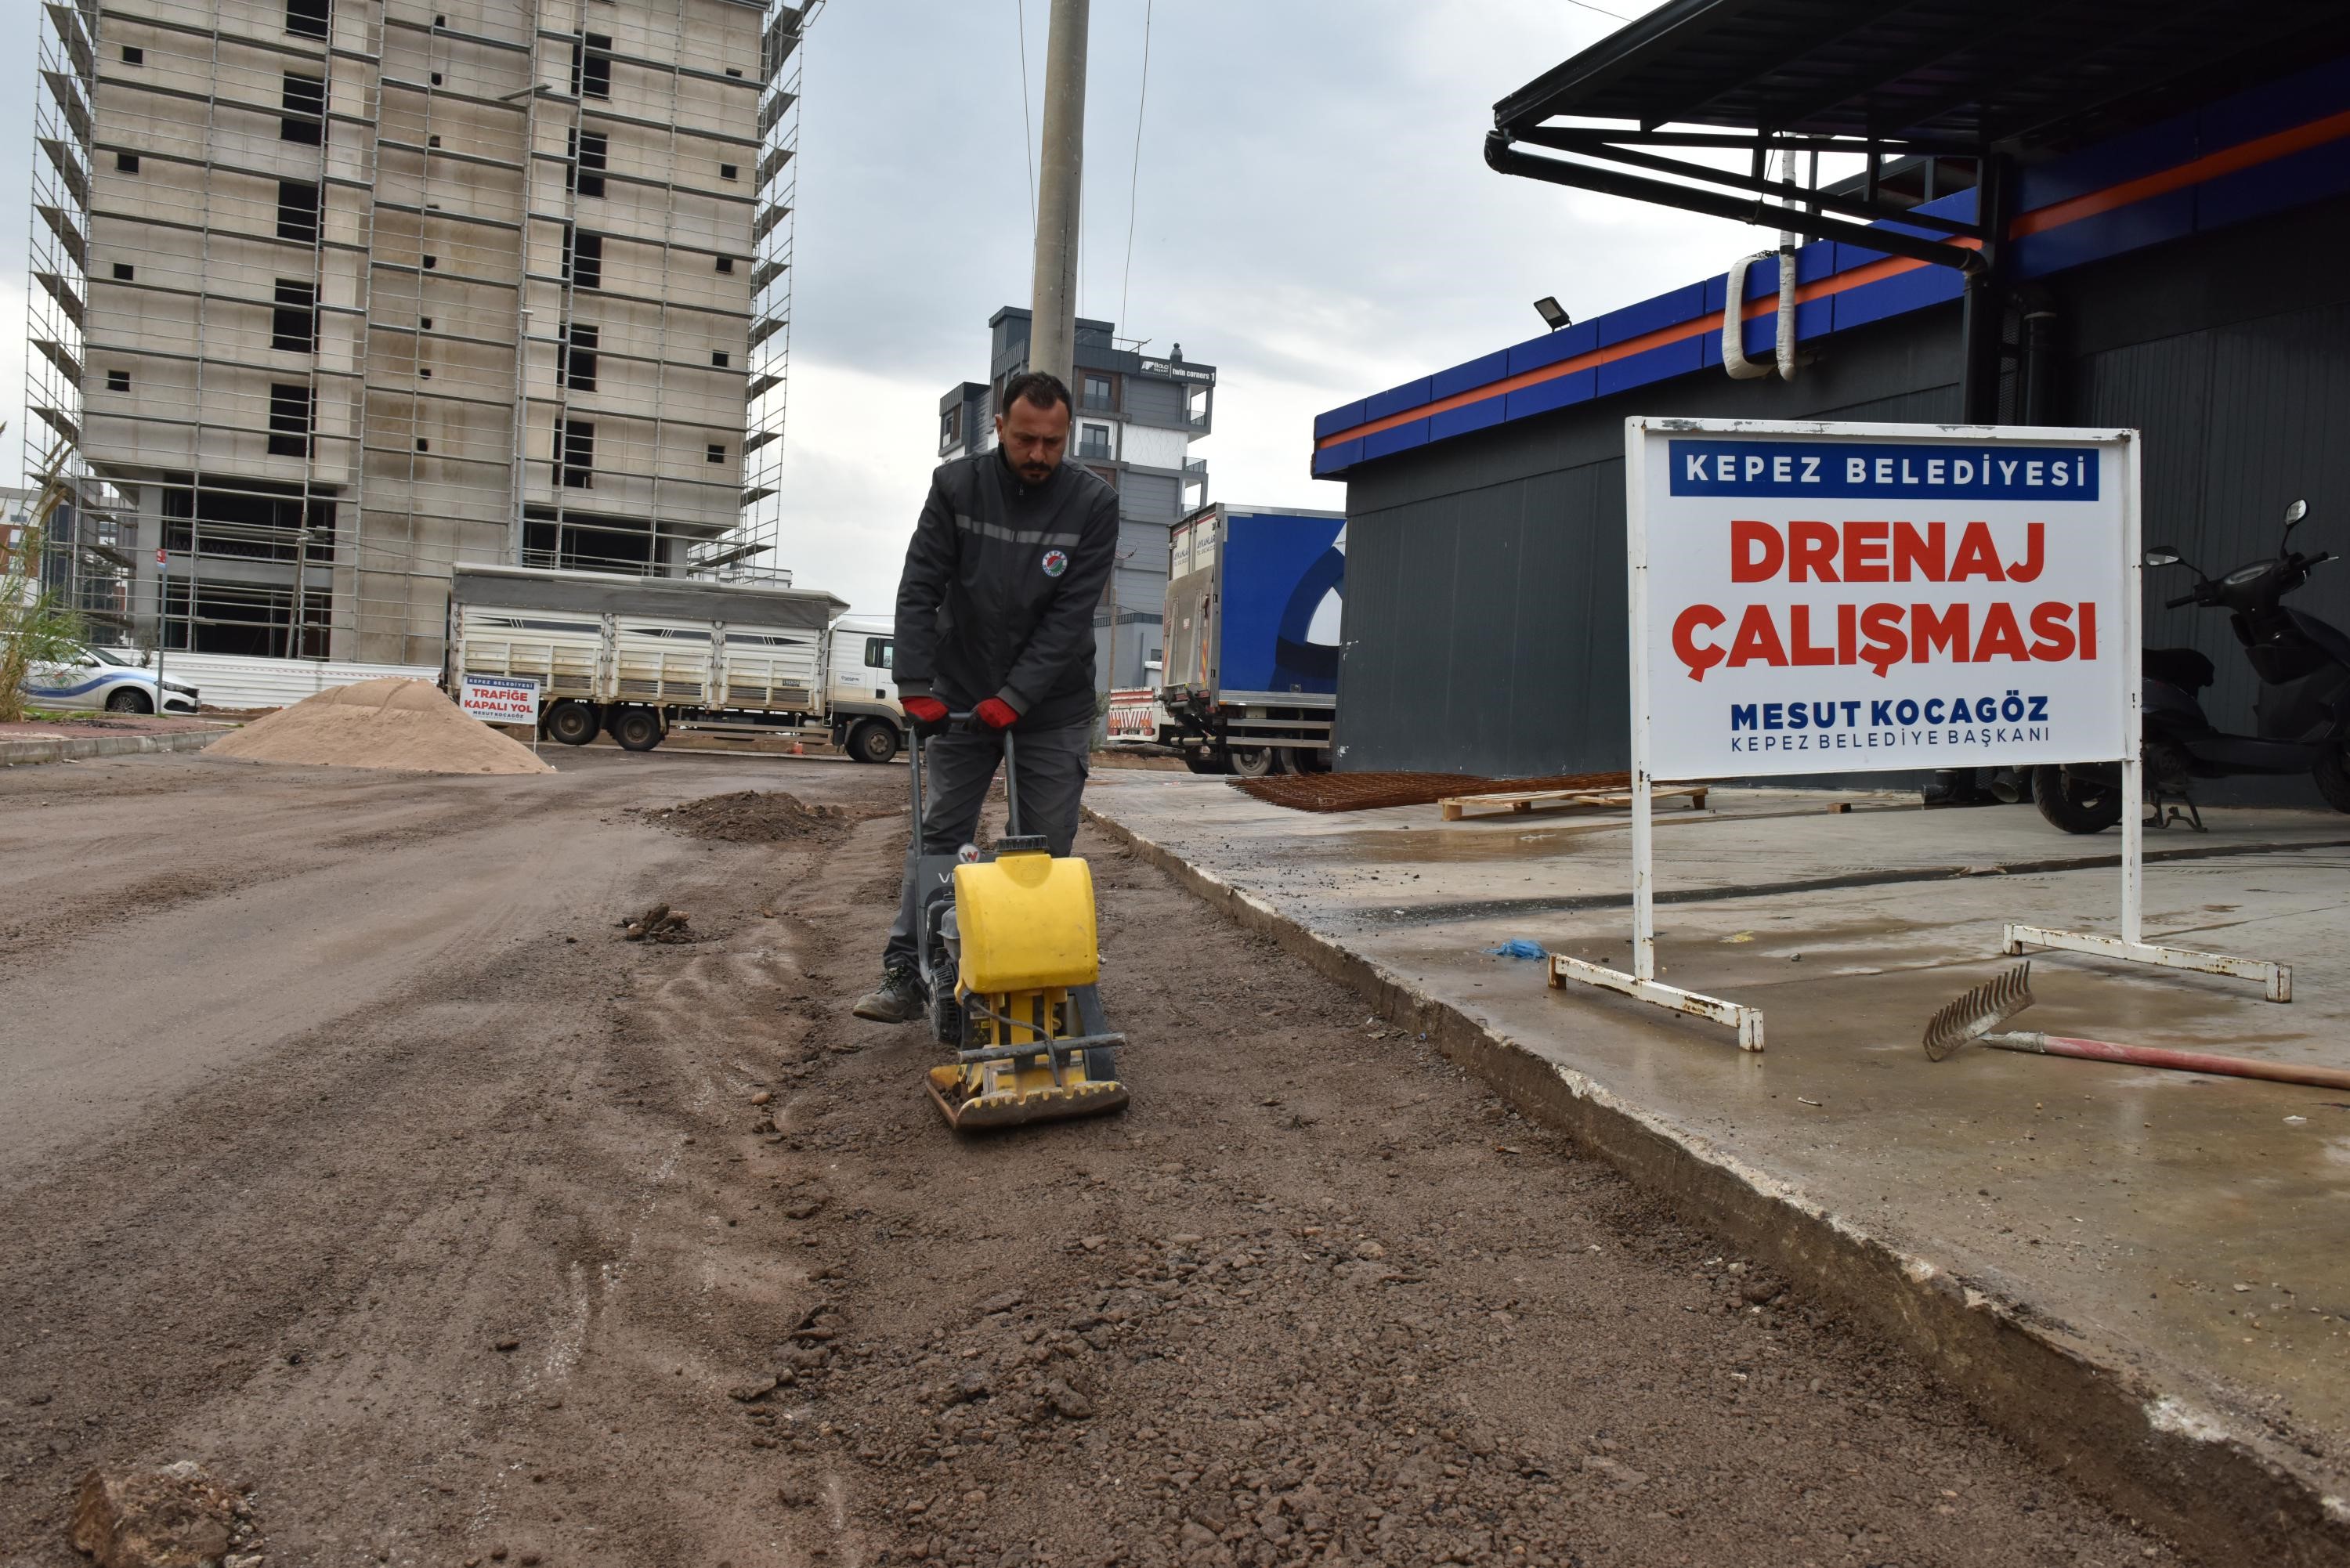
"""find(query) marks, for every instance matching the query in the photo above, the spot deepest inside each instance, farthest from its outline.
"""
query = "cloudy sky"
(1313, 216)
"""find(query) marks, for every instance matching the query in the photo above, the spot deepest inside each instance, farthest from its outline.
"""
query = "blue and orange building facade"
(2173, 243)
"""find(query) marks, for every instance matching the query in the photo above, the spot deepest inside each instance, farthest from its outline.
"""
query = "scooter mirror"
(2296, 513)
(2162, 555)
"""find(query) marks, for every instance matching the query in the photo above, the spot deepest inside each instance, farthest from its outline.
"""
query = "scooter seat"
(2188, 669)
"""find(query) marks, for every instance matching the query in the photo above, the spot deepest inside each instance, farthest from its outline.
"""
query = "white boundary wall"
(229, 680)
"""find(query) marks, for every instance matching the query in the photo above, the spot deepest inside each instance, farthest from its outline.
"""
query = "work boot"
(897, 999)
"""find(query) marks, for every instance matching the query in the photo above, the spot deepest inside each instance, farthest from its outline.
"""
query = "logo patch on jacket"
(1056, 562)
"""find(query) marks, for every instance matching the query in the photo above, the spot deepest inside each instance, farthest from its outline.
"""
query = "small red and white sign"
(1133, 715)
(500, 699)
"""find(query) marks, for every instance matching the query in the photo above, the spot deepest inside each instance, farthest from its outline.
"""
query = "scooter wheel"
(2074, 802)
(2333, 774)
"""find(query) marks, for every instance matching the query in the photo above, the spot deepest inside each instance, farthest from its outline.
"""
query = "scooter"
(2303, 713)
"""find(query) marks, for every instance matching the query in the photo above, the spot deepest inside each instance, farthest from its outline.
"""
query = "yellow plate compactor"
(1010, 958)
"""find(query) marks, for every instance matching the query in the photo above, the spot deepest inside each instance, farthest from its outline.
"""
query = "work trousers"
(1050, 769)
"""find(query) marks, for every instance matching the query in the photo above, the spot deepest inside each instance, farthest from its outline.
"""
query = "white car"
(100, 678)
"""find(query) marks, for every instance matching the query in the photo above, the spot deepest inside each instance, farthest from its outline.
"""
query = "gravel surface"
(521, 1239)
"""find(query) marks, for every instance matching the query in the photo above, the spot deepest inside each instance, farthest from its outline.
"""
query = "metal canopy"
(1974, 78)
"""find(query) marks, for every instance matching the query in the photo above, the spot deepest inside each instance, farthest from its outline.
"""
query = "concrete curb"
(2225, 1490)
(74, 748)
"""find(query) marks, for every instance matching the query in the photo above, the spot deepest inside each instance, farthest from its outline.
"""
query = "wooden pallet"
(1522, 800)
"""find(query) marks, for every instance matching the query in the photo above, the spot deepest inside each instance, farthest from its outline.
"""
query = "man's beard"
(1034, 473)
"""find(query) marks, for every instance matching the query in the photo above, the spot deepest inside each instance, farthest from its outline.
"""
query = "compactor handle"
(1010, 778)
(2181, 599)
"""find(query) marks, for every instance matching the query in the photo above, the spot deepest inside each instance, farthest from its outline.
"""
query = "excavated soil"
(492, 1241)
(749, 816)
(1367, 792)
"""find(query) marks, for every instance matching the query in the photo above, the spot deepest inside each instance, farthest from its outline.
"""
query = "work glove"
(996, 713)
(927, 712)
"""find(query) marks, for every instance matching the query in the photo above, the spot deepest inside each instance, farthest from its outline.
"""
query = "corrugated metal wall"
(2236, 367)
(1486, 625)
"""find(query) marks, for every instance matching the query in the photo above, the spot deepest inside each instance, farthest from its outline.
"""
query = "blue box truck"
(1249, 679)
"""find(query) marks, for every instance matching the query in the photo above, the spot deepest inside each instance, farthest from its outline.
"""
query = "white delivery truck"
(1255, 600)
(866, 721)
(637, 656)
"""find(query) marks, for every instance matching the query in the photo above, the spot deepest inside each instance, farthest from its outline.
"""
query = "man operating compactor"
(995, 618)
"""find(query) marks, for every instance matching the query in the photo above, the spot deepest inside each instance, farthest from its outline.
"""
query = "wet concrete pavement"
(2183, 1227)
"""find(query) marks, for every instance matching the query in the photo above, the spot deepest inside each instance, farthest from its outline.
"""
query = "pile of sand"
(388, 724)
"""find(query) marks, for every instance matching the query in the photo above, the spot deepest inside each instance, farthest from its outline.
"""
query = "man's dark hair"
(1041, 387)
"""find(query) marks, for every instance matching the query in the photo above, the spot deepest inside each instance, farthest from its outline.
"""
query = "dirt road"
(345, 1147)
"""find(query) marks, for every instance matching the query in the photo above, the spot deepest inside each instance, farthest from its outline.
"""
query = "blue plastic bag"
(1518, 947)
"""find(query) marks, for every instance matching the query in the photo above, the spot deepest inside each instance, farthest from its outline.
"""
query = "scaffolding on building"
(320, 311)
(773, 232)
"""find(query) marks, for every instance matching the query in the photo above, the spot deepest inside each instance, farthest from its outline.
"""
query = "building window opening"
(250, 621)
(304, 99)
(133, 55)
(603, 546)
(289, 419)
(298, 212)
(591, 66)
(293, 323)
(720, 359)
(588, 152)
(717, 452)
(1098, 392)
(118, 381)
(124, 272)
(578, 349)
(725, 264)
(306, 18)
(126, 163)
(728, 170)
(1195, 407)
(1093, 440)
(575, 454)
(583, 259)
(950, 427)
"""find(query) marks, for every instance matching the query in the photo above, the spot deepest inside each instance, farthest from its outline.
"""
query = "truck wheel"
(573, 723)
(873, 741)
(1252, 761)
(635, 728)
(2074, 802)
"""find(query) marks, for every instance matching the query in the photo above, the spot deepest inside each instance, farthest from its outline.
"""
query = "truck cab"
(866, 722)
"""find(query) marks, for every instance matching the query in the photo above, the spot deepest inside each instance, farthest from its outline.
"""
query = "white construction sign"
(1857, 598)
(500, 699)
(1832, 598)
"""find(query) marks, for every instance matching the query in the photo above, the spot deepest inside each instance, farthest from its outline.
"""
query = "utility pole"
(1053, 329)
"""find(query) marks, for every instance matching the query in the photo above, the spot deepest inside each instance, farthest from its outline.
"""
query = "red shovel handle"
(2193, 1062)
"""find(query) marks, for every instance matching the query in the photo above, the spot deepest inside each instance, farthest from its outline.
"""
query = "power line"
(1601, 9)
(1134, 176)
(1027, 132)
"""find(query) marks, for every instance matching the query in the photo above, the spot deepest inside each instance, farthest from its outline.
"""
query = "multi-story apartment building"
(1138, 414)
(332, 295)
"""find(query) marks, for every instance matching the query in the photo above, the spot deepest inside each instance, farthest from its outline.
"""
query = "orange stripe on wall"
(2210, 166)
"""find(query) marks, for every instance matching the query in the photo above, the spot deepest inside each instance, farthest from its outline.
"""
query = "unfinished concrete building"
(332, 295)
